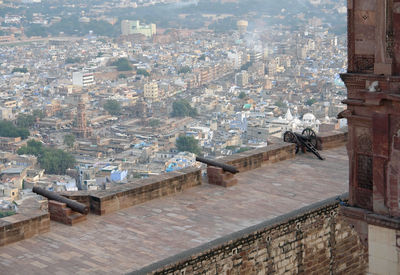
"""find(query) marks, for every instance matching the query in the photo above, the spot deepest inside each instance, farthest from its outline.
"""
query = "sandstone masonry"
(312, 240)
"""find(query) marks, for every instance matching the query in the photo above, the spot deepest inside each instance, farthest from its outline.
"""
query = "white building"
(294, 124)
(242, 79)
(129, 27)
(82, 79)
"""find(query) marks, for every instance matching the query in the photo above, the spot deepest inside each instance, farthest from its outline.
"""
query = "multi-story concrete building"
(82, 79)
(134, 27)
(242, 79)
(151, 91)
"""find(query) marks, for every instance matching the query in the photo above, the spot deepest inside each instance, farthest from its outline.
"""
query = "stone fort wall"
(313, 240)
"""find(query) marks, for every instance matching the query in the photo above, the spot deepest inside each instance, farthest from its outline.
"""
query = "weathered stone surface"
(218, 176)
(108, 201)
(331, 140)
(61, 213)
(137, 236)
(255, 158)
(317, 241)
(28, 222)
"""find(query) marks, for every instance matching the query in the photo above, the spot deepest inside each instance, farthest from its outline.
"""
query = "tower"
(242, 26)
(373, 114)
(81, 130)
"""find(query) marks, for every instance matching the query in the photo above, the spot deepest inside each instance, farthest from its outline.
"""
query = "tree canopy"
(122, 64)
(189, 144)
(19, 70)
(72, 26)
(36, 30)
(69, 140)
(113, 107)
(28, 120)
(8, 129)
(54, 161)
(246, 66)
(184, 70)
(182, 108)
(142, 72)
(310, 101)
(280, 104)
(242, 95)
(154, 123)
(32, 147)
(72, 60)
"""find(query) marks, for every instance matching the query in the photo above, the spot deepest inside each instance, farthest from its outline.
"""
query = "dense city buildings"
(127, 97)
(213, 143)
(108, 103)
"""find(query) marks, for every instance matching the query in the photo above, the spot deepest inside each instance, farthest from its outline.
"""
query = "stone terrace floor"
(140, 235)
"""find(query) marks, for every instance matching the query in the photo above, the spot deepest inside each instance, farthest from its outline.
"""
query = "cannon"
(74, 205)
(225, 167)
(307, 140)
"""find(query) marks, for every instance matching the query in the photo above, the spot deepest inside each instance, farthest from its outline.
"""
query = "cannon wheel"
(288, 136)
(311, 136)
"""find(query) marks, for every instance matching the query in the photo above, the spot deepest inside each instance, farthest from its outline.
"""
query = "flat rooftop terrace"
(135, 237)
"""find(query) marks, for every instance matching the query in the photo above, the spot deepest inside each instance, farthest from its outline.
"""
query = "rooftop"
(137, 236)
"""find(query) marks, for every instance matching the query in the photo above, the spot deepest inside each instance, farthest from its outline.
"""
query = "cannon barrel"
(74, 205)
(301, 136)
(225, 167)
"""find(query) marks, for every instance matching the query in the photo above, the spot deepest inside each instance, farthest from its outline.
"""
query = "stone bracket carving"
(372, 99)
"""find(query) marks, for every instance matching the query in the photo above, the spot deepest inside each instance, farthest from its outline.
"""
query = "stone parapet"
(126, 195)
(107, 201)
(61, 213)
(331, 140)
(218, 176)
(28, 222)
(253, 159)
(312, 240)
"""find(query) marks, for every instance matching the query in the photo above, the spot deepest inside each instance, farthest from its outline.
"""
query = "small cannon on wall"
(307, 140)
(219, 173)
(74, 205)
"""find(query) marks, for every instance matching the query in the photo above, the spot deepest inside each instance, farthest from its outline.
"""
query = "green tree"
(19, 70)
(310, 101)
(122, 64)
(28, 120)
(69, 140)
(154, 123)
(113, 107)
(242, 95)
(280, 104)
(36, 30)
(8, 129)
(25, 120)
(142, 72)
(100, 27)
(184, 70)
(188, 143)
(245, 66)
(182, 108)
(72, 60)
(32, 147)
(243, 149)
(38, 114)
(6, 213)
(54, 161)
